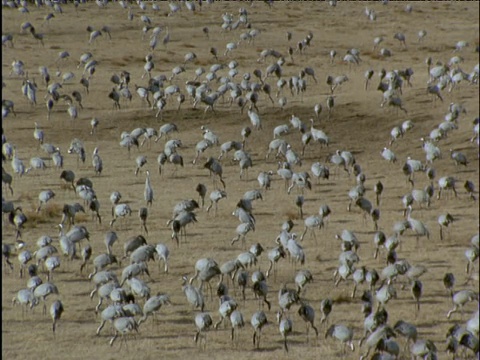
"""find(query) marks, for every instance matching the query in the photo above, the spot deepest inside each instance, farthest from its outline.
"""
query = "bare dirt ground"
(357, 124)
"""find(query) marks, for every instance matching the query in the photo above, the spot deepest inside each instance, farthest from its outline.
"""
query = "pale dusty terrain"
(357, 124)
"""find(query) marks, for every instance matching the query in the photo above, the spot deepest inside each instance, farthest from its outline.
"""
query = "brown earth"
(357, 124)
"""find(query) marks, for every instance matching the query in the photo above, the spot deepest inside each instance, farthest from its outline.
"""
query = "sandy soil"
(357, 124)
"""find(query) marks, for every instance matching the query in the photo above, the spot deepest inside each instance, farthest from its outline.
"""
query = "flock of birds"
(124, 283)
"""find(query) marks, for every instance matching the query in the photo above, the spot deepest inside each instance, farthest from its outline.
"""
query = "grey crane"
(69, 211)
(36, 163)
(193, 294)
(201, 189)
(51, 263)
(407, 330)
(133, 270)
(205, 270)
(258, 321)
(123, 325)
(115, 198)
(143, 253)
(25, 297)
(343, 334)
(153, 305)
(17, 218)
(274, 255)
(469, 188)
(231, 268)
(215, 197)
(242, 230)
(97, 162)
(460, 298)
(458, 157)
(417, 293)
(359, 276)
(38, 134)
(7, 180)
(215, 169)
(6, 253)
(444, 220)
(42, 253)
(163, 253)
(44, 197)
(307, 313)
(227, 306)
(94, 206)
(101, 262)
(110, 313)
(378, 339)
(296, 251)
(449, 282)
(286, 328)
(320, 171)
(43, 290)
(143, 215)
(384, 294)
(325, 308)
(286, 298)
(378, 189)
(121, 210)
(446, 183)
(141, 160)
(138, 288)
(148, 191)
(472, 255)
(379, 240)
(86, 255)
(311, 223)
(260, 289)
(179, 224)
(68, 177)
(56, 311)
(203, 322)
(424, 348)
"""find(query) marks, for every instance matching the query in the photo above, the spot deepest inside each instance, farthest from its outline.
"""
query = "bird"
(203, 322)
(115, 198)
(17, 218)
(56, 311)
(325, 309)
(121, 210)
(123, 325)
(260, 289)
(97, 162)
(417, 293)
(44, 197)
(51, 264)
(460, 298)
(69, 211)
(254, 119)
(215, 197)
(286, 328)
(143, 215)
(193, 294)
(258, 321)
(163, 253)
(446, 183)
(38, 134)
(458, 157)
(307, 313)
(44, 290)
(152, 305)
(148, 192)
(343, 334)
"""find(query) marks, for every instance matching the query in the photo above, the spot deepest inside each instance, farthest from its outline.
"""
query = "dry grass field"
(357, 124)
